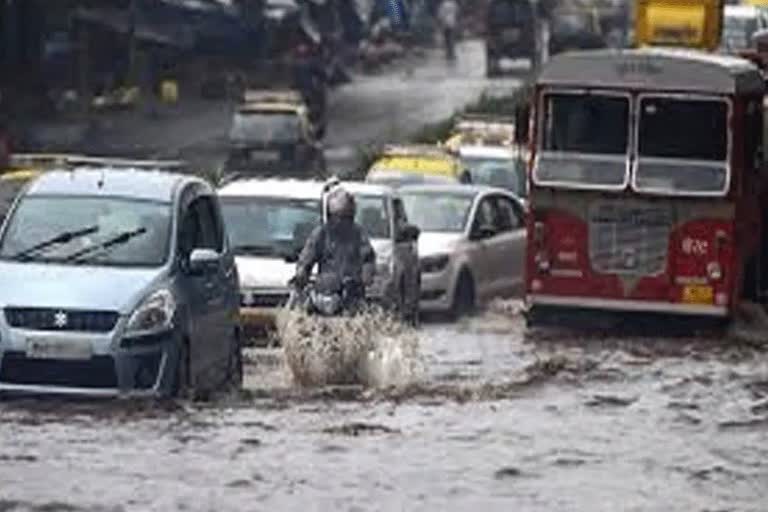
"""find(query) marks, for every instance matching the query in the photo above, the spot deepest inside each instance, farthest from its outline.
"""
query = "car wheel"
(182, 387)
(463, 296)
(234, 377)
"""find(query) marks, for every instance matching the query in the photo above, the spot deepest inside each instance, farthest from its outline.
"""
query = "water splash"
(370, 349)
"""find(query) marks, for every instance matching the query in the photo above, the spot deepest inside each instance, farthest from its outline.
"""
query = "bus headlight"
(714, 271)
(542, 262)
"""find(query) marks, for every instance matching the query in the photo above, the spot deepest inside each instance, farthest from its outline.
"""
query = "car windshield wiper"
(254, 250)
(85, 255)
(61, 238)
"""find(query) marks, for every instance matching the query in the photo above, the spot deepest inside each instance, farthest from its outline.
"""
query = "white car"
(740, 23)
(497, 166)
(472, 244)
(397, 281)
(268, 221)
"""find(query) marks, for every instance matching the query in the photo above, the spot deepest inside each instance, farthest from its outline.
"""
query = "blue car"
(117, 282)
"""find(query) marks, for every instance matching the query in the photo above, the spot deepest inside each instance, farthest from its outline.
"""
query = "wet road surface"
(501, 419)
(537, 421)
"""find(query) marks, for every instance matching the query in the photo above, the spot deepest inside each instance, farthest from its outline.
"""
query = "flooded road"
(541, 422)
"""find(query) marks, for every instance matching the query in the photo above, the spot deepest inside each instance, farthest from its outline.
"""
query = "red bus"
(647, 184)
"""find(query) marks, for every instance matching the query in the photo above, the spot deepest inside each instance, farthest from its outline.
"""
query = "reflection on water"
(542, 422)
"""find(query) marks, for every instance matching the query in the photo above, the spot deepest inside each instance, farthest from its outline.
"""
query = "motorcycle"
(326, 295)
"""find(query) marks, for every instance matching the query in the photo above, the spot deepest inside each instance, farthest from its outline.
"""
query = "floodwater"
(501, 418)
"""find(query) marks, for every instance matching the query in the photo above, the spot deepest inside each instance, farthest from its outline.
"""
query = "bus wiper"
(82, 256)
(62, 238)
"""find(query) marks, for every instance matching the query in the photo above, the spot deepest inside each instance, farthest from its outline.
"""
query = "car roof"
(363, 188)
(128, 183)
(273, 187)
(265, 108)
(468, 190)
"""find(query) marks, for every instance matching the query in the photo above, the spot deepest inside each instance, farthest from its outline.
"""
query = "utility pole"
(132, 43)
(544, 10)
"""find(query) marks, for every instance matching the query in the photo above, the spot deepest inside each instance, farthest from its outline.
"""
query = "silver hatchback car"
(117, 282)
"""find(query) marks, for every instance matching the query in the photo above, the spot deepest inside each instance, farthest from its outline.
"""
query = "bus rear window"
(664, 119)
(586, 123)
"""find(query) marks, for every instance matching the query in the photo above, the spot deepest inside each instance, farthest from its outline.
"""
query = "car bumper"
(133, 367)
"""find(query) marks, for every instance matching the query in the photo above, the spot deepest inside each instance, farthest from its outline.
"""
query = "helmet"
(341, 204)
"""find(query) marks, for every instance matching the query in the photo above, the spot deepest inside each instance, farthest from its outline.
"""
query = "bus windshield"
(585, 140)
(669, 163)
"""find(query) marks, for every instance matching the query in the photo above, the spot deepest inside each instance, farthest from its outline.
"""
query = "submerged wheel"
(464, 300)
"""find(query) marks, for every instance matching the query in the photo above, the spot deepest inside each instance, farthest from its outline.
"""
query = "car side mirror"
(291, 255)
(203, 261)
(522, 123)
(408, 233)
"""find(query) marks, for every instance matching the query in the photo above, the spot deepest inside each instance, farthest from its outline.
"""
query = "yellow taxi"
(416, 163)
(484, 130)
(271, 131)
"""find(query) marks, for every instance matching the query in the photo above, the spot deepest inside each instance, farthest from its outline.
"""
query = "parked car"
(117, 282)
(268, 222)
(415, 164)
(272, 134)
(397, 282)
(510, 32)
(472, 244)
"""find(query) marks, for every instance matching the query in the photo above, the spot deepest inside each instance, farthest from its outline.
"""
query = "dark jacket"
(342, 248)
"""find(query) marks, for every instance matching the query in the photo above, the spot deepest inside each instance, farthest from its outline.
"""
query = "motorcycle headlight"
(154, 314)
(326, 304)
(434, 264)
(384, 265)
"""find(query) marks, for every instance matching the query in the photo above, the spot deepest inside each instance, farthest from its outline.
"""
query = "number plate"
(264, 155)
(42, 348)
(698, 295)
(511, 35)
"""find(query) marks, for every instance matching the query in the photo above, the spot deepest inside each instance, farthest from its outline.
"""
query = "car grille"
(98, 372)
(262, 300)
(43, 319)
(630, 238)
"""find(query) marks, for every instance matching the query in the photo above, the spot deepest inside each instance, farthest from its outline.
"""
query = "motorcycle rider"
(340, 247)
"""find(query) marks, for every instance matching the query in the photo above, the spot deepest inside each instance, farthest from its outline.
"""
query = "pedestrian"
(448, 17)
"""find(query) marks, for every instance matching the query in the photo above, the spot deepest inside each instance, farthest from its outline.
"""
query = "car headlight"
(434, 264)
(154, 314)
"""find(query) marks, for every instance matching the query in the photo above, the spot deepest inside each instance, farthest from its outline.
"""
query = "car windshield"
(585, 141)
(274, 127)
(439, 212)
(373, 215)
(269, 226)
(507, 173)
(37, 224)
(694, 163)
(510, 12)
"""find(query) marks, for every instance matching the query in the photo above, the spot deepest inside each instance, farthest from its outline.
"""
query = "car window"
(486, 215)
(200, 228)
(373, 215)
(510, 217)
(401, 218)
